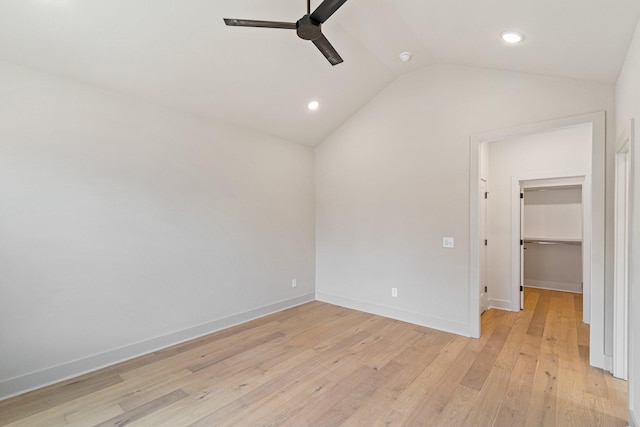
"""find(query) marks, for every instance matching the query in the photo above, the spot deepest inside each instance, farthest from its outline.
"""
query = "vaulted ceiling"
(179, 53)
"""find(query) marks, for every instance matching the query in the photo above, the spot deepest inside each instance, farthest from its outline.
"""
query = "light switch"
(447, 242)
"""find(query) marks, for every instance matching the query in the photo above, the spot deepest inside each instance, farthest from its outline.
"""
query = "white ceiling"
(179, 53)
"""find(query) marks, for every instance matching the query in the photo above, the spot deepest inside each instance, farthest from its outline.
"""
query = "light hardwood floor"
(322, 365)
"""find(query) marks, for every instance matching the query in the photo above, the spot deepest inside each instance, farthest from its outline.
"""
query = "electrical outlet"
(294, 283)
(447, 242)
(394, 292)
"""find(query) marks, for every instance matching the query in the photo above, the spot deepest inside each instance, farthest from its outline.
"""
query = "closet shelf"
(553, 240)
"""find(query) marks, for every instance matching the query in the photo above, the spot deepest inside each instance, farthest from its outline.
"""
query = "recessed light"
(313, 105)
(512, 37)
(405, 56)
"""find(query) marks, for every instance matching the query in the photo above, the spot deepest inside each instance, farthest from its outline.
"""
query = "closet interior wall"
(553, 238)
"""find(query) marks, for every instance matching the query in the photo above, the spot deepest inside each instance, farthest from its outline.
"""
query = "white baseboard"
(608, 362)
(500, 304)
(601, 360)
(575, 288)
(24, 383)
(396, 313)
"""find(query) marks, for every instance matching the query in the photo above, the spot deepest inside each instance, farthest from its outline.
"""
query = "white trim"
(556, 178)
(597, 214)
(474, 309)
(554, 183)
(607, 362)
(395, 313)
(634, 345)
(633, 420)
(500, 304)
(574, 288)
(24, 383)
(621, 258)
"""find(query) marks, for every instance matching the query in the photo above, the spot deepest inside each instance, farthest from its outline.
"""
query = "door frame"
(520, 233)
(484, 297)
(551, 180)
(598, 358)
(621, 256)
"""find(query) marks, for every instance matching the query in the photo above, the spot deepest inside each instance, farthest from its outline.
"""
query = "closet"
(552, 230)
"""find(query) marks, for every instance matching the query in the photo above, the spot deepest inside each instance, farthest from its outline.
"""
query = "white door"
(521, 248)
(482, 231)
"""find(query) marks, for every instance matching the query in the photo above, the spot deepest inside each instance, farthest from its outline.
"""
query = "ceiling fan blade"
(261, 24)
(326, 9)
(327, 50)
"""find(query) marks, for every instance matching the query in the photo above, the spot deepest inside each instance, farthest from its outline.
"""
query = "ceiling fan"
(309, 27)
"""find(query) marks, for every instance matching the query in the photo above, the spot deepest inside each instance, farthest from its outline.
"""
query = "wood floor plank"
(320, 389)
(347, 357)
(337, 414)
(230, 352)
(326, 333)
(542, 407)
(145, 409)
(95, 416)
(208, 395)
(583, 337)
(577, 304)
(570, 409)
(50, 397)
(489, 323)
(320, 361)
(615, 405)
(485, 361)
(209, 348)
(415, 360)
(134, 397)
(95, 401)
(595, 383)
(457, 410)
(531, 298)
(510, 352)
(487, 406)
(440, 395)
(318, 364)
(144, 392)
(303, 402)
(539, 318)
(513, 409)
(415, 393)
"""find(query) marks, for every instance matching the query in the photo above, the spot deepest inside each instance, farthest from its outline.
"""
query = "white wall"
(553, 213)
(125, 227)
(394, 180)
(551, 153)
(627, 108)
(555, 266)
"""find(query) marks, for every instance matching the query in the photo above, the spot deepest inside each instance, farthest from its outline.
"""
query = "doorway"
(594, 201)
(552, 230)
(564, 230)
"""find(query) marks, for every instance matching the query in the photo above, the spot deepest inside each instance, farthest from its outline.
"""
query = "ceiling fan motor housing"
(308, 28)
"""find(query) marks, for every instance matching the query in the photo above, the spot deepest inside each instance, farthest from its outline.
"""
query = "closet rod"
(547, 242)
